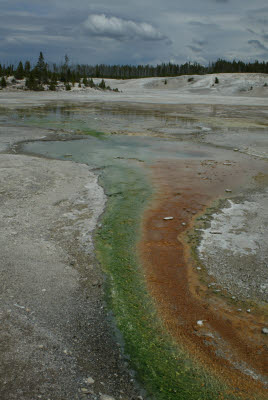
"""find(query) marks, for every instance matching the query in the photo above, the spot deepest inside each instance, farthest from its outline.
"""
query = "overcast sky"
(133, 32)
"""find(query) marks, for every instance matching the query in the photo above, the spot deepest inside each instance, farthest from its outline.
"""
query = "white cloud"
(120, 29)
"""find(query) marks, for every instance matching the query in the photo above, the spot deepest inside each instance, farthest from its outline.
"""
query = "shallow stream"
(124, 166)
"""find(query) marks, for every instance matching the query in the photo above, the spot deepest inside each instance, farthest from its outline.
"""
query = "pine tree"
(52, 86)
(102, 84)
(91, 83)
(66, 70)
(68, 86)
(32, 83)
(53, 82)
(97, 71)
(27, 68)
(41, 69)
(3, 82)
(19, 74)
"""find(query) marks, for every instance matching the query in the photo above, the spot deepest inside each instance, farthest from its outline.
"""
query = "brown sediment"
(228, 343)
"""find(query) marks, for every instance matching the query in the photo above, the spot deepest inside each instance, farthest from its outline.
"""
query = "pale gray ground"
(250, 141)
(234, 247)
(54, 329)
(233, 89)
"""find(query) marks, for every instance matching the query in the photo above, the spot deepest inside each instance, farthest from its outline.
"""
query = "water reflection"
(176, 122)
(106, 119)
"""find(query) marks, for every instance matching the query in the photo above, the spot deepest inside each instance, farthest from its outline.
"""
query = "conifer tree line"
(43, 74)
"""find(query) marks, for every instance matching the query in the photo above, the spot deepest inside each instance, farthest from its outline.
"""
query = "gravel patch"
(237, 256)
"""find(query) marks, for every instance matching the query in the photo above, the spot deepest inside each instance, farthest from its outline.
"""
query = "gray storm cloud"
(258, 44)
(116, 32)
(120, 29)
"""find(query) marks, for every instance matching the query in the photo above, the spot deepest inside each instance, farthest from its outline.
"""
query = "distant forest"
(43, 73)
